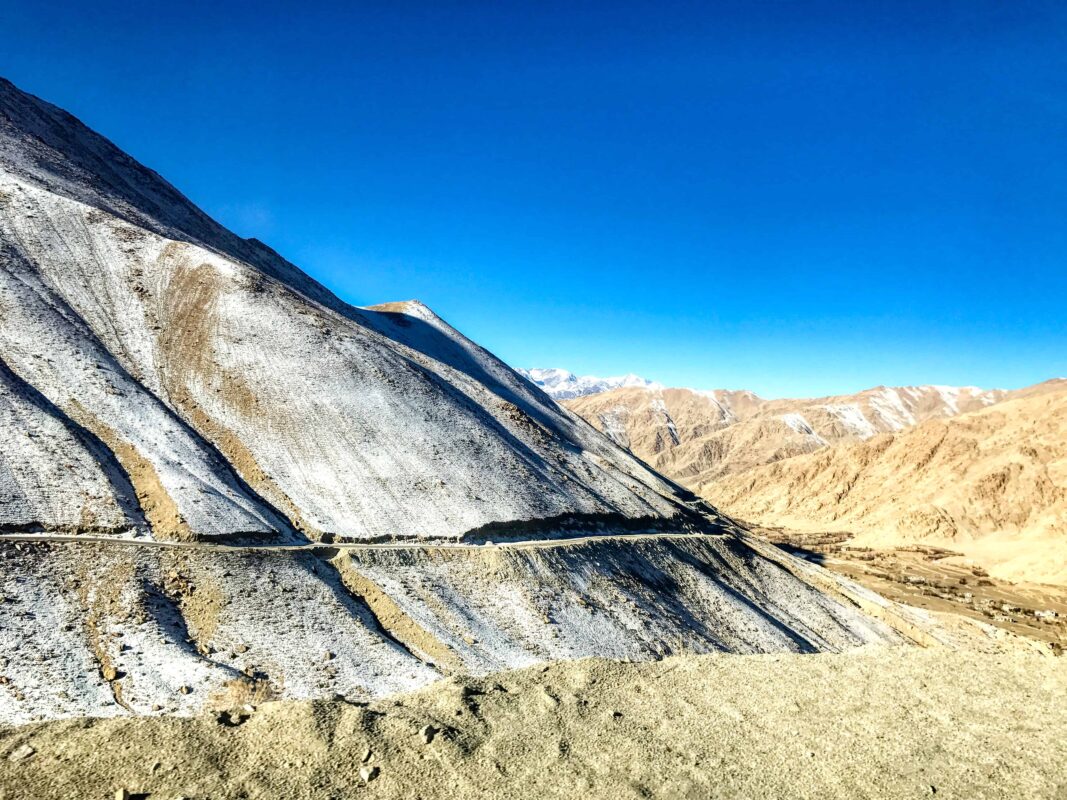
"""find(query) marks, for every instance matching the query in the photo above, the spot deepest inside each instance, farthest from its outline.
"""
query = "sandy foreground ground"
(898, 722)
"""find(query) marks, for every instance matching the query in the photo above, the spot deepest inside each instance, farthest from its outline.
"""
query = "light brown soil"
(903, 722)
(158, 506)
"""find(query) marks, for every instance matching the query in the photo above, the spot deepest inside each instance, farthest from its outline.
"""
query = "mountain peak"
(559, 384)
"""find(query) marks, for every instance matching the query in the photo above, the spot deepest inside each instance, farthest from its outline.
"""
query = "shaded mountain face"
(163, 377)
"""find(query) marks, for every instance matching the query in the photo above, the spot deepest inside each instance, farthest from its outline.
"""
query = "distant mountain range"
(991, 483)
(980, 471)
(562, 385)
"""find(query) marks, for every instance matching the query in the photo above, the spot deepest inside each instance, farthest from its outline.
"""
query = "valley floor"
(936, 579)
(880, 722)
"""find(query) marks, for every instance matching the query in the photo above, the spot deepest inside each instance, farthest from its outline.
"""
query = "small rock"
(21, 753)
(122, 794)
(109, 673)
(241, 648)
(427, 733)
(329, 655)
(368, 754)
(232, 717)
(368, 773)
(185, 689)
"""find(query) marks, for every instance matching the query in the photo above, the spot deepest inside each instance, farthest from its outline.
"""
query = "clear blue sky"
(795, 198)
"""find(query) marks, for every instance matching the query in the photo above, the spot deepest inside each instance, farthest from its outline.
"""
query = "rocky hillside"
(698, 437)
(107, 628)
(991, 484)
(979, 472)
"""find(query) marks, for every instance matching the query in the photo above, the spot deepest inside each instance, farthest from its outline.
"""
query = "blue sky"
(795, 198)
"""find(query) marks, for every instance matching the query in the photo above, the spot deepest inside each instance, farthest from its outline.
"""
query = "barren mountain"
(698, 437)
(183, 413)
(991, 484)
(238, 396)
(975, 471)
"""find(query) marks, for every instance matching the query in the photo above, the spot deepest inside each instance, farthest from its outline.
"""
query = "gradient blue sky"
(795, 198)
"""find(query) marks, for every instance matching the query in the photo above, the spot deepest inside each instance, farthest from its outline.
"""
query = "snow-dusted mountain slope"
(110, 629)
(162, 379)
(562, 385)
(240, 397)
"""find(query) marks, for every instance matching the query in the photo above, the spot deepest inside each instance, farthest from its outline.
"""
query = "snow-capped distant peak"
(560, 384)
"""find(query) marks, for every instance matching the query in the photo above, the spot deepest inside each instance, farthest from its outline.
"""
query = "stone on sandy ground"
(21, 753)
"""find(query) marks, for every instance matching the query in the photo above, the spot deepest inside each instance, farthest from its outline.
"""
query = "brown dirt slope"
(991, 484)
(898, 723)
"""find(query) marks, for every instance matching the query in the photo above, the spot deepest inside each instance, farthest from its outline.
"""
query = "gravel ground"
(886, 722)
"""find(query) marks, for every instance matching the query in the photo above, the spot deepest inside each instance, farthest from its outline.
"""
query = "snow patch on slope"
(659, 406)
(802, 426)
(853, 419)
(888, 404)
(722, 403)
(614, 422)
(950, 396)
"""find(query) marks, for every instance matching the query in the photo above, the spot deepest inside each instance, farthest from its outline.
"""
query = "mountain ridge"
(698, 436)
(991, 484)
(845, 464)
